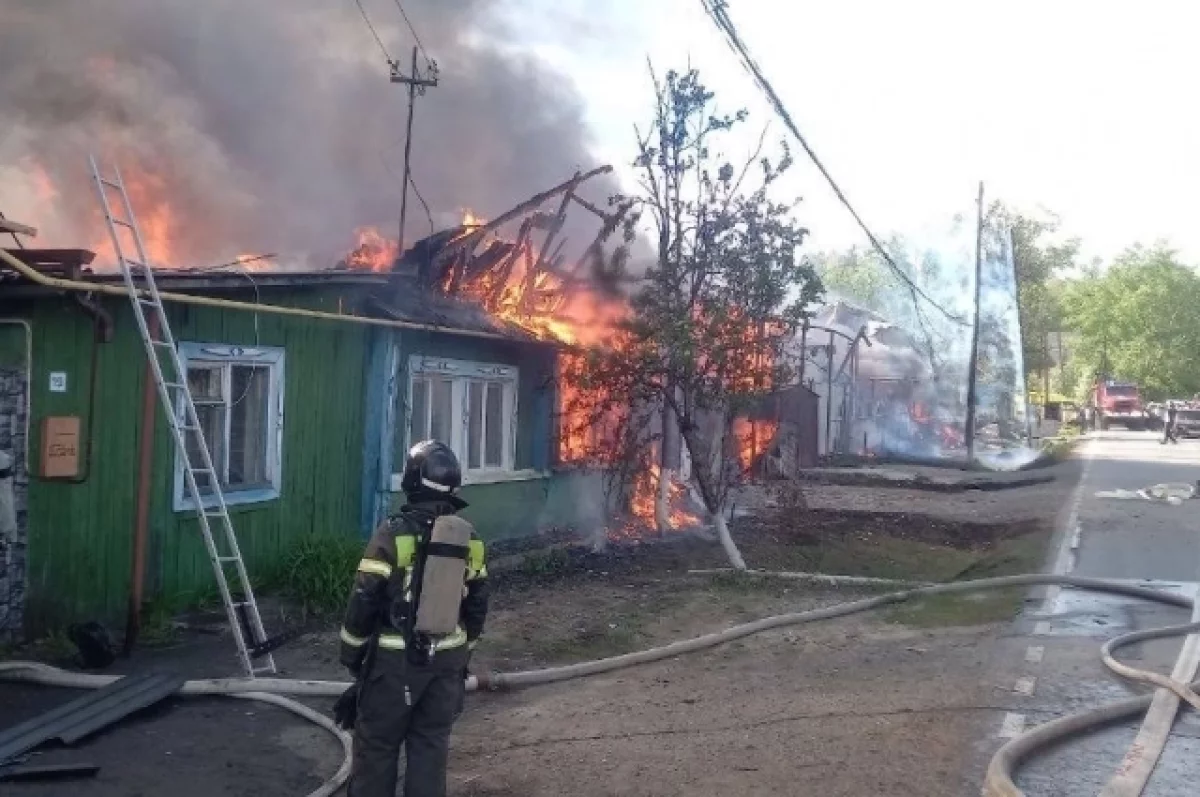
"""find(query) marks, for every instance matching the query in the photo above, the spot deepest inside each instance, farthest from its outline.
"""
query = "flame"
(752, 439)
(469, 219)
(156, 220)
(643, 502)
(373, 251)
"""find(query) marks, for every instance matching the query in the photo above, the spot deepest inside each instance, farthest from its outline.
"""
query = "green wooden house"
(308, 419)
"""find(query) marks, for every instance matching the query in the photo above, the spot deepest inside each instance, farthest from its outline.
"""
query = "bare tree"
(710, 319)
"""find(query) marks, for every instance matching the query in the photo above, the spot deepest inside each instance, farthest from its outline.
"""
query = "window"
(238, 394)
(470, 406)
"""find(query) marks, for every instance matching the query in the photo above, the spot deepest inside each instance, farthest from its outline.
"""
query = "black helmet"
(431, 468)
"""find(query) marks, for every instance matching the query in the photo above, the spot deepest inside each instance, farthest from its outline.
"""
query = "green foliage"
(1139, 320)
(546, 563)
(1039, 261)
(318, 571)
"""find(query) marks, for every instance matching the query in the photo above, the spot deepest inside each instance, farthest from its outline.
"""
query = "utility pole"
(417, 83)
(973, 362)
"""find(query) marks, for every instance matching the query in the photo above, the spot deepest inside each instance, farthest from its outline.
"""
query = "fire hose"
(1000, 772)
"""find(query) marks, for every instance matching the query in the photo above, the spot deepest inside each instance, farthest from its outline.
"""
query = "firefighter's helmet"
(431, 466)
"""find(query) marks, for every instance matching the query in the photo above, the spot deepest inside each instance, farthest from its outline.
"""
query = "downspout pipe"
(80, 286)
(141, 521)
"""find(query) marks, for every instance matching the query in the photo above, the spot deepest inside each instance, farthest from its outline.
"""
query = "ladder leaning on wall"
(171, 378)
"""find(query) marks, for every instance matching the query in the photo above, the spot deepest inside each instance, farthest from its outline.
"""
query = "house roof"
(404, 301)
(72, 264)
(391, 296)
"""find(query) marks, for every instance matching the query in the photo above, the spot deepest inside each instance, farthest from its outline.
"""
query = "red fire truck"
(1113, 401)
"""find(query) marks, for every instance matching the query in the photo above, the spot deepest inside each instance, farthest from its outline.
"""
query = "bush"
(318, 571)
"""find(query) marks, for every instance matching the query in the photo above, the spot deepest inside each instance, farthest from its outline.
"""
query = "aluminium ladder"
(171, 378)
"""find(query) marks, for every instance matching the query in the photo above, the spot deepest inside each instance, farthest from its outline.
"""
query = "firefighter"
(1169, 424)
(409, 680)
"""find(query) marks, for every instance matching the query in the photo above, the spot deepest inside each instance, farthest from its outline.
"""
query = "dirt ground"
(887, 704)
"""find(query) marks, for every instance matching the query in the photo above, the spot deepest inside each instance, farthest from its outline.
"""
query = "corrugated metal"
(81, 718)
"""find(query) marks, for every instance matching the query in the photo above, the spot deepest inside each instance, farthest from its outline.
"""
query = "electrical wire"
(413, 31)
(374, 33)
(424, 204)
(718, 11)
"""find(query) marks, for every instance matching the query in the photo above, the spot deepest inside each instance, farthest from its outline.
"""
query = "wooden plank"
(8, 225)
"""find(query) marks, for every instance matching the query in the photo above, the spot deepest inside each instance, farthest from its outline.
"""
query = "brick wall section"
(13, 386)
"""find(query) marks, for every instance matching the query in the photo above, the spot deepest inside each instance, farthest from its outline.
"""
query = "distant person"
(1169, 424)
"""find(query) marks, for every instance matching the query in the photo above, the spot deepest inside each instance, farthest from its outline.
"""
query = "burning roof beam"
(16, 228)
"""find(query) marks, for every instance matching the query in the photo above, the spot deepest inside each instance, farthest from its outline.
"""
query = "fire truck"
(1113, 401)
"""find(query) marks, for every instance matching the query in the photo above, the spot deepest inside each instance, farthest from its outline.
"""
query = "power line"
(424, 204)
(413, 31)
(717, 11)
(374, 33)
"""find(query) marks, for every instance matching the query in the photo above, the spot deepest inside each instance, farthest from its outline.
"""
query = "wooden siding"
(80, 533)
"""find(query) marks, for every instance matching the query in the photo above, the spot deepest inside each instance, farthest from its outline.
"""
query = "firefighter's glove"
(345, 710)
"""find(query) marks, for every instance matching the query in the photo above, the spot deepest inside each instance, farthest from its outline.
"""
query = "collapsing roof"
(405, 300)
(893, 352)
(391, 296)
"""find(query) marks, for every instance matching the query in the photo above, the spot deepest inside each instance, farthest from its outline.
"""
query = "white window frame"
(461, 373)
(221, 355)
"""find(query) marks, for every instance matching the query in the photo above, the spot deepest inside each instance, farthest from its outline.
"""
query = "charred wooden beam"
(532, 203)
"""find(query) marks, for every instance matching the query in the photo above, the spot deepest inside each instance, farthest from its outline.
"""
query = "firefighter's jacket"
(383, 603)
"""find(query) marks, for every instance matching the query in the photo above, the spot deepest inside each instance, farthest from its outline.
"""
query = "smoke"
(271, 126)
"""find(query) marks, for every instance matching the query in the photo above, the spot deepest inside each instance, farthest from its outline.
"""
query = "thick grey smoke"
(270, 125)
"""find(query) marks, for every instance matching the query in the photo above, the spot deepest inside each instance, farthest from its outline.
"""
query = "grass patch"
(551, 562)
(978, 608)
(595, 641)
(318, 571)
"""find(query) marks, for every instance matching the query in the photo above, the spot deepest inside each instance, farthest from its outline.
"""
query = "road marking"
(1013, 725)
(1064, 563)
(1041, 628)
(1035, 654)
(1025, 685)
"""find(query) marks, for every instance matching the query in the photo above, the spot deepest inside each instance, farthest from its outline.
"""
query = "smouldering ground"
(885, 704)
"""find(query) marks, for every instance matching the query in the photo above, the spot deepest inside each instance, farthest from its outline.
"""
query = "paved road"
(1060, 666)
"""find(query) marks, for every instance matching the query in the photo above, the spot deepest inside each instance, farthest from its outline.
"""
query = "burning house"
(872, 386)
(311, 386)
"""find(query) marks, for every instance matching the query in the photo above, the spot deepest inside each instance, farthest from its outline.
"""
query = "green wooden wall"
(80, 534)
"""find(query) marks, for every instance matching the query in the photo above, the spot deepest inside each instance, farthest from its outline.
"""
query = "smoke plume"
(270, 126)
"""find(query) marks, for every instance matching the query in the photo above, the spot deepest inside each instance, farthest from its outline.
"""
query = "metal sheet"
(82, 717)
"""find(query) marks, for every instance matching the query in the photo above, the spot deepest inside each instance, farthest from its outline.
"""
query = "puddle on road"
(1082, 613)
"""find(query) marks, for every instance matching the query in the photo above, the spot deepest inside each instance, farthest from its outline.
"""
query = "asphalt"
(1134, 539)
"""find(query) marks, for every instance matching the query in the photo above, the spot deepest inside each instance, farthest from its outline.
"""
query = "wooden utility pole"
(973, 361)
(417, 83)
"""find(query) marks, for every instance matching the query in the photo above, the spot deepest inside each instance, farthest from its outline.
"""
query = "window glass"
(441, 412)
(494, 426)
(248, 426)
(475, 424)
(419, 428)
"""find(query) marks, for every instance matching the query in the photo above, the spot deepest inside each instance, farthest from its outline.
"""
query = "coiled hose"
(999, 778)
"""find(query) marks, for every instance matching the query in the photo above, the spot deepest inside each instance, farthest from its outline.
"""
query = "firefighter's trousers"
(404, 705)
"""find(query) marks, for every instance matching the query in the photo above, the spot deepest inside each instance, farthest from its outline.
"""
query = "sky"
(1085, 109)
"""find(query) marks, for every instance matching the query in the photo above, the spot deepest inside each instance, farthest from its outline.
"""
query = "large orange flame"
(372, 251)
(752, 439)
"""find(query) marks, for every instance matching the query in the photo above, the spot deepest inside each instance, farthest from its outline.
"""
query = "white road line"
(1025, 685)
(1013, 726)
(1065, 561)
(1035, 654)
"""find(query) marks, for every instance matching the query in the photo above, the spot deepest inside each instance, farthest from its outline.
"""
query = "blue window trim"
(228, 354)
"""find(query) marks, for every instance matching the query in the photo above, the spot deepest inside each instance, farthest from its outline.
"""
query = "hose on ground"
(999, 779)
(46, 675)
